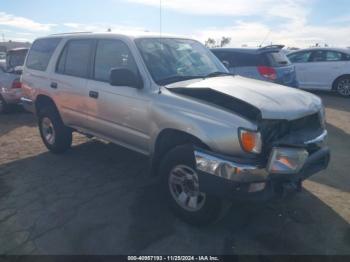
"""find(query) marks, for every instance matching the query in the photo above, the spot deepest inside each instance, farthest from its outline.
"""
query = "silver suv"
(211, 137)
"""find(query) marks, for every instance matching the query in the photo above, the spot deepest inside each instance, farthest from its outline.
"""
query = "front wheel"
(342, 86)
(55, 135)
(182, 188)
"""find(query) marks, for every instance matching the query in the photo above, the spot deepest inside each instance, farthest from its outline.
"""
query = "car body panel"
(9, 73)
(274, 101)
(320, 75)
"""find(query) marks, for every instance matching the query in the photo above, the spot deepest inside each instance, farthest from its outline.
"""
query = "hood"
(272, 100)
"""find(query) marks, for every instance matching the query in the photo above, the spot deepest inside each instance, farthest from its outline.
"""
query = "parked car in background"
(269, 64)
(211, 137)
(323, 69)
(10, 85)
(2, 60)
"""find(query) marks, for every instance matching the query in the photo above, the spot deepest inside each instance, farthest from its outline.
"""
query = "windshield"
(172, 60)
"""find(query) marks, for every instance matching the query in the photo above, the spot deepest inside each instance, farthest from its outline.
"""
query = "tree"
(210, 43)
(225, 41)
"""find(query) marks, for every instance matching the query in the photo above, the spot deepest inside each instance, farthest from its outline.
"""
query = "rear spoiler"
(271, 47)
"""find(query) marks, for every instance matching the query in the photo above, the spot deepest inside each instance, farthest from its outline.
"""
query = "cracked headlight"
(287, 160)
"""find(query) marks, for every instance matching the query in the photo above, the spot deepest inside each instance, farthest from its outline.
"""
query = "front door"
(122, 112)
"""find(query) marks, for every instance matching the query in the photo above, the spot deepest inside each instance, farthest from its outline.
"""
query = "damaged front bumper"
(244, 179)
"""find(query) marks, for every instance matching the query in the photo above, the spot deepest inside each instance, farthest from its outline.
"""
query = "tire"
(199, 209)
(55, 135)
(342, 86)
(3, 106)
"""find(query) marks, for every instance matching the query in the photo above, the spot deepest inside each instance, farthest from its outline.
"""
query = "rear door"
(69, 82)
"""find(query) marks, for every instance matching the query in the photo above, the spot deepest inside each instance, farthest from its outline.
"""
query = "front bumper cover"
(274, 184)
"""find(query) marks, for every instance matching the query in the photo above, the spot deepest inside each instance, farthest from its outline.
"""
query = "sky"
(294, 23)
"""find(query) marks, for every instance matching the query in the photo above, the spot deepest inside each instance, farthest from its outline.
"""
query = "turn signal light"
(251, 141)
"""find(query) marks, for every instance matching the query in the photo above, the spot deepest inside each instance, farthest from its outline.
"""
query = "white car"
(323, 69)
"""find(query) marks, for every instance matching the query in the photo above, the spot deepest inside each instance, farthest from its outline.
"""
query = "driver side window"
(112, 54)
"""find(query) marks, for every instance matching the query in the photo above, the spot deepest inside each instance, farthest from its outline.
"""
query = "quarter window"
(40, 53)
(112, 54)
(75, 59)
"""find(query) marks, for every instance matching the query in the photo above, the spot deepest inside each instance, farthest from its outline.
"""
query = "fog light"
(287, 160)
(256, 187)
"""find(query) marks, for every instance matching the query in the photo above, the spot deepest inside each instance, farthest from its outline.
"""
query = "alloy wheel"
(48, 130)
(184, 188)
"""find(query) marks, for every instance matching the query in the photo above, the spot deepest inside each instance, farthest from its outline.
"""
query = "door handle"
(54, 85)
(93, 94)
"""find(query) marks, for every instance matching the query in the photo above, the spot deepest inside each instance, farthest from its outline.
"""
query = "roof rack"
(272, 47)
(73, 33)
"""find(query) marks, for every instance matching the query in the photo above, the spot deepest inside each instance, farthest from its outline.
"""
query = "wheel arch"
(337, 79)
(43, 101)
(168, 139)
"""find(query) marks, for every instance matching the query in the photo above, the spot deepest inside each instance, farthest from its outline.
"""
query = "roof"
(251, 50)
(343, 50)
(130, 34)
(18, 49)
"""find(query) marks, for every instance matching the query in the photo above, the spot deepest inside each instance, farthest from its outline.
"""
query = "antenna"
(160, 19)
(267, 35)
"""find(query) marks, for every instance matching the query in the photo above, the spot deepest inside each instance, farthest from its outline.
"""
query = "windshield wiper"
(175, 78)
(218, 73)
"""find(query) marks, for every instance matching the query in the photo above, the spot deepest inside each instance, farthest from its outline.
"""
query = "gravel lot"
(98, 199)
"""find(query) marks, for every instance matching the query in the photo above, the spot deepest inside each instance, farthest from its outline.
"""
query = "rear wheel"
(182, 188)
(342, 86)
(55, 135)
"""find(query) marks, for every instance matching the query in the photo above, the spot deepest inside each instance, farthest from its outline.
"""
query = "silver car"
(10, 72)
(211, 137)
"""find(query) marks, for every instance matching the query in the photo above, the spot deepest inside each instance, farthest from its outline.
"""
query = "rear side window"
(347, 57)
(241, 59)
(300, 57)
(112, 54)
(247, 60)
(40, 53)
(319, 56)
(75, 60)
(277, 59)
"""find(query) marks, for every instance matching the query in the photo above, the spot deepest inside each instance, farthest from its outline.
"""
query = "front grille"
(308, 122)
(275, 130)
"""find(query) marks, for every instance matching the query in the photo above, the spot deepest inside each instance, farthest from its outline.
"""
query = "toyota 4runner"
(210, 136)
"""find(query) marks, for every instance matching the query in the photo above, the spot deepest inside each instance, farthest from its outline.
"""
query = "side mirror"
(125, 77)
(226, 64)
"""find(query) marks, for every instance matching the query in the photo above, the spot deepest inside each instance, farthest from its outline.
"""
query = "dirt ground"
(98, 199)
